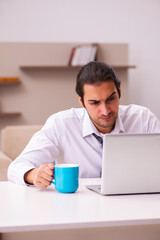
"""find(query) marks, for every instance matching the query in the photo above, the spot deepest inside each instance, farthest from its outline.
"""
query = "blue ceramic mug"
(66, 178)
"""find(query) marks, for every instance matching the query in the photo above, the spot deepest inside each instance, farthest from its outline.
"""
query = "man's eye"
(94, 103)
(112, 98)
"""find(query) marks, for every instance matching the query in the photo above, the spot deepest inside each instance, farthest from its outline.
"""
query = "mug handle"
(54, 162)
(53, 182)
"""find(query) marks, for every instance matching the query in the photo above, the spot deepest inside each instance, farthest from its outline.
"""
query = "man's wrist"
(29, 176)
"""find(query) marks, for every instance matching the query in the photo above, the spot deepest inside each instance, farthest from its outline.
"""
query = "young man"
(76, 134)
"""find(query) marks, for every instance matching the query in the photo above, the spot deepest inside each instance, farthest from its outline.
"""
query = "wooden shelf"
(49, 67)
(70, 67)
(12, 80)
(10, 114)
(123, 66)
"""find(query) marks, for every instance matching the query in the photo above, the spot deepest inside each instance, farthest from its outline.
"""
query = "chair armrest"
(4, 163)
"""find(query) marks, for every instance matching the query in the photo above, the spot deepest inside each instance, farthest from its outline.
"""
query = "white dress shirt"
(67, 136)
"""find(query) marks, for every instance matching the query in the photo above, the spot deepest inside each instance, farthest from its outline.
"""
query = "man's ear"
(80, 101)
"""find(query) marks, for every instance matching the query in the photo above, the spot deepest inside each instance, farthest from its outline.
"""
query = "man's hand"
(40, 177)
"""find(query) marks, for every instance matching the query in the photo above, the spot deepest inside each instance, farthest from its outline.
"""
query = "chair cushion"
(15, 138)
(4, 163)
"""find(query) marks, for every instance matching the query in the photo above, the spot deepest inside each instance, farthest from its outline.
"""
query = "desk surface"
(25, 208)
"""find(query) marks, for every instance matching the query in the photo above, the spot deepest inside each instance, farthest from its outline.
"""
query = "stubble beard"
(104, 125)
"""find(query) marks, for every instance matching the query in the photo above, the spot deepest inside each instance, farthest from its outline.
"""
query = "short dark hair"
(95, 72)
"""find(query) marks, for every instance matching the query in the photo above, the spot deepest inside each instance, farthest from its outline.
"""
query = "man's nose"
(105, 109)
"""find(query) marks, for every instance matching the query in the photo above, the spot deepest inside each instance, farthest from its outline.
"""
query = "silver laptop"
(130, 164)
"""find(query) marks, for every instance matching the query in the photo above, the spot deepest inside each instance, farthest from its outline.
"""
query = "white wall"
(135, 22)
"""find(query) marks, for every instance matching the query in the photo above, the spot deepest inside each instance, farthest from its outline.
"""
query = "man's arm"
(42, 149)
(40, 177)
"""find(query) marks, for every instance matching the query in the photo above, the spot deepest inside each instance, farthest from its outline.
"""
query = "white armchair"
(13, 141)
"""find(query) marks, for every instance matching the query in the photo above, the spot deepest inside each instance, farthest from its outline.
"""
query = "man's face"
(101, 102)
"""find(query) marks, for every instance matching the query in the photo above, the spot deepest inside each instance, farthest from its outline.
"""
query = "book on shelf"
(82, 54)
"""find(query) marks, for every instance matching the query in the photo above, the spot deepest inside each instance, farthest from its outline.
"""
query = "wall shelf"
(69, 67)
(10, 114)
(9, 79)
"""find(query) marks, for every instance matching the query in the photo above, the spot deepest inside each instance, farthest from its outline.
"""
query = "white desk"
(84, 214)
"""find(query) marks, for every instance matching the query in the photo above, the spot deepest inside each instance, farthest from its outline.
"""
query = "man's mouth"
(107, 118)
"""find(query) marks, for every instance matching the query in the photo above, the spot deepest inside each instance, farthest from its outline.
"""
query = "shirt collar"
(88, 127)
(119, 126)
